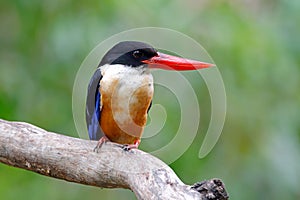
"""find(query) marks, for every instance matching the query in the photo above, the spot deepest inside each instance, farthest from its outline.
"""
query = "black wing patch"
(93, 107)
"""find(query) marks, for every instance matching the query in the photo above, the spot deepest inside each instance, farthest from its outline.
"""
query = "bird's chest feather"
(126, 95)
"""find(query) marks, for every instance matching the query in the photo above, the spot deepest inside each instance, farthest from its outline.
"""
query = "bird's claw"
(126, 147)
(102, 140)
(97, 147)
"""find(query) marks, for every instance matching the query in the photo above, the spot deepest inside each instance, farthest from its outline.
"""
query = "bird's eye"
(138, 54)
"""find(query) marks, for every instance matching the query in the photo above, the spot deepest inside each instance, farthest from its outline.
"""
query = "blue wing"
(93, 107)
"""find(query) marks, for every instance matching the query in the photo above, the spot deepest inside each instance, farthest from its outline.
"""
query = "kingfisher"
(120, 92)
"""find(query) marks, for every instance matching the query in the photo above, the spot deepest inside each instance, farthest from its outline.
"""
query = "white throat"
(126, 85)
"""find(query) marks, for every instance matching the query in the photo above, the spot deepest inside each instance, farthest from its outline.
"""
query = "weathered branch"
(26, 146)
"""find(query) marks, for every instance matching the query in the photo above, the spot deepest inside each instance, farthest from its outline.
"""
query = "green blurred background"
(255, 44)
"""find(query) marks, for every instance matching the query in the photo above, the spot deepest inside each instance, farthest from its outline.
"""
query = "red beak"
(165, 61)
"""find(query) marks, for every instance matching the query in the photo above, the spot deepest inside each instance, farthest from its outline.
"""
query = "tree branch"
(29, 147)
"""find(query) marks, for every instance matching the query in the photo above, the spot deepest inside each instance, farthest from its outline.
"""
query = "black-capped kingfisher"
(120, 92)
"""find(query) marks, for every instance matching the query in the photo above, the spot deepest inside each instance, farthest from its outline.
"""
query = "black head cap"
(129, 53)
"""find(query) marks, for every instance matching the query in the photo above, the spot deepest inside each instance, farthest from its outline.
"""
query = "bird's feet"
(125, 147)
(102, 140)
(128, 147)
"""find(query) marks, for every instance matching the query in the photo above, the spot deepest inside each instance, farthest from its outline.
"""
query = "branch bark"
(29, 147)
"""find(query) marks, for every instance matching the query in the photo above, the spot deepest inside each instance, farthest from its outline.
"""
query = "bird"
(120, 92)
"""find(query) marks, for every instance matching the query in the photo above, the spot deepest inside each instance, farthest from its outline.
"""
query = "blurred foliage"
(255, 44)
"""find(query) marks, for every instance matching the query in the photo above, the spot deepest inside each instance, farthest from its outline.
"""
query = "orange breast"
(124, 110)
